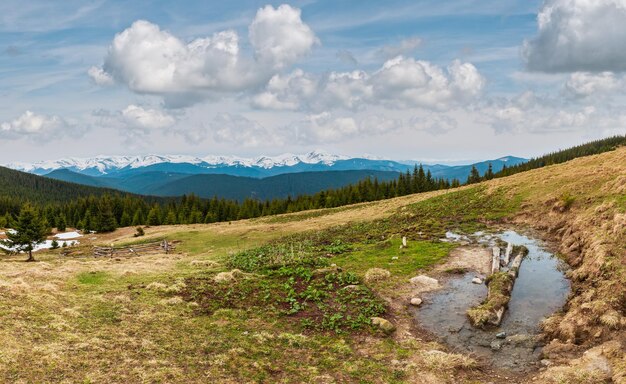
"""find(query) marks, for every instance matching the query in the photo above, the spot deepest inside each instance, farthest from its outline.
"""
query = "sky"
(428, 80)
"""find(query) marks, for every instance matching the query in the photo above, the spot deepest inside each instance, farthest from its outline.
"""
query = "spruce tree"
(154, 216)
(474, 176)
(125, 220)
(489, 173)
(137, 218)
(170, 219)
(29, 230)
(105, 219)
(61, 223)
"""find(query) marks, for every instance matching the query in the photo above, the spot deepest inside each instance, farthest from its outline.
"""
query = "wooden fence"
(135, 250)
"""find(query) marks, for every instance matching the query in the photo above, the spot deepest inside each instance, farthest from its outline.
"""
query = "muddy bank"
(540, 289)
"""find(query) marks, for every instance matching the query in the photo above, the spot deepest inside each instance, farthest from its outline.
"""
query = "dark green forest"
(64, 204)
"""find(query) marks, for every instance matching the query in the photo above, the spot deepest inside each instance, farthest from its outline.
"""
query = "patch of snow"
(106, 164)
(68, 235)
(47, 244)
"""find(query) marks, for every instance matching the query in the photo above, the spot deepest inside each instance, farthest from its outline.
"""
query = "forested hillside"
(226, 186)
(102, 209)
(590, 148)
(18, 187)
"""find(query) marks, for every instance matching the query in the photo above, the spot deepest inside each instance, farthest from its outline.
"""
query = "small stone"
(394, 258)
(416, 301)
(496, 345)
(477, 280)
(426, 281)
(501, 335)
(546, 362)
(383, 324)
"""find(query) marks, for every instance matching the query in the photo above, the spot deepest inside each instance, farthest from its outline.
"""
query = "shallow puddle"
(540, 289)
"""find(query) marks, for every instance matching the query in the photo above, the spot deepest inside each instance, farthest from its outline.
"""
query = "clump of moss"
(500, 287)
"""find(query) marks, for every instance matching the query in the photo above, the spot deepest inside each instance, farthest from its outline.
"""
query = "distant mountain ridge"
(259, 167)
(226, 186)
(101, 165)
(288, 175)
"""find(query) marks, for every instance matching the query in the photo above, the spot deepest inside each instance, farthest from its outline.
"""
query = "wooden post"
(495, 261)
(507, 254)
(517, 262)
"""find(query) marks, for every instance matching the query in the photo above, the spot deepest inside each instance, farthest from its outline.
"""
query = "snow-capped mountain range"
(102, 165)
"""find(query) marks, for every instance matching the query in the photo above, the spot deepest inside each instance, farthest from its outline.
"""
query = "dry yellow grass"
(89, 320)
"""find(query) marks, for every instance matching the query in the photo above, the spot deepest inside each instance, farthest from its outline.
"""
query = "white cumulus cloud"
(146, 118)
(37, 127)
(399, 83)
(529, 113)
(150, 60)
(99, 76)
(578, 35)
(585, 84)
(279, 36)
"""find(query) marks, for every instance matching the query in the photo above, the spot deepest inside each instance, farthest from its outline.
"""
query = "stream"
(540, 290)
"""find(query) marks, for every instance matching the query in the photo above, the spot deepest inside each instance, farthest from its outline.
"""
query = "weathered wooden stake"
(495, 261)
(517, 262)
(507, 254)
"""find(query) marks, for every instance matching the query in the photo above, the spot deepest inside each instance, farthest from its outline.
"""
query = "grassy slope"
(132, 320)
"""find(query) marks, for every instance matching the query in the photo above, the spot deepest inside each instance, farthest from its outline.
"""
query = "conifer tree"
(154, 216)
(29, 230)
(170, 219)
(61, 223)
(137, 218)
(489, 173)
(105, 221)
(474, 176)
(125, 220)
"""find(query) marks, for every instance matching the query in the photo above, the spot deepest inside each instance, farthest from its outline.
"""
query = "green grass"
(307, 215)
(92, 278)
(308, 300)
(417, 255)
(197, 242)
(621, 202)
(467, 211)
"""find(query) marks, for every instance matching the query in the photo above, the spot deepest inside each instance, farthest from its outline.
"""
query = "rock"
(496, 345)
(501, 335)
(376, 274)
(546, 362)
(594, 360)
(383, 324)
(416, 301)
(325, 271)
(394, 258)
(521, 339)
(477, 280)
(427, 282)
